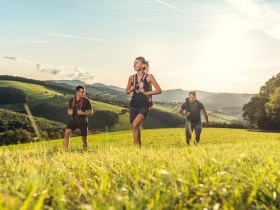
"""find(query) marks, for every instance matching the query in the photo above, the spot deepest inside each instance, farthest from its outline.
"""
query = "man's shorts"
(133, 112)
(82, 126)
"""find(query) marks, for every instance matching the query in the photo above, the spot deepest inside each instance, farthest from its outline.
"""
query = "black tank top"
(139, 100)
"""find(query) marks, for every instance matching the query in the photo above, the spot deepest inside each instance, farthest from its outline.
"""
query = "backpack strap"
(144, 77)
(81, 101)
(73, 102)
(134, 80)
(150, 97)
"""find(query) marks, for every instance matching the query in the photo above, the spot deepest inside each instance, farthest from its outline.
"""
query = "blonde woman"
(140, 84)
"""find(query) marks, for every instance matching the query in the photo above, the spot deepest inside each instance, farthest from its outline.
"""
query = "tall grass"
(228, 169)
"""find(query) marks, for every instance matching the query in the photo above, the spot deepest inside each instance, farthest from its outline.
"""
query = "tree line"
(263, 110)
(16, 128)
(10, 95)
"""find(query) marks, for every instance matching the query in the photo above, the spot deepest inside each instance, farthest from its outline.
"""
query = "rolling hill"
(223, 108)
(223, 103)
(19, 128)
(39, 94)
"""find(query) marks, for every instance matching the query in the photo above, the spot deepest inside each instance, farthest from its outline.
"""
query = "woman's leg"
(136, 129)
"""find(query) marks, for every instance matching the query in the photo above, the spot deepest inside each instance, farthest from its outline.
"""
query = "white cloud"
(31, 41)
(170, 6)
(75, 73)
(76, 37)
(40, 67)
(80, 74)
(260, 16)
(47, 69)
(10, 58)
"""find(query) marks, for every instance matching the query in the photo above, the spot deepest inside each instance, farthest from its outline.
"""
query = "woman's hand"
(130, 86)
(143, 91)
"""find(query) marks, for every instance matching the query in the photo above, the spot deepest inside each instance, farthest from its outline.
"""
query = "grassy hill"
(227, 103)
(17, 128)
(38, 94)
(230, 104)
(229, 169)
(224, 109)
(214, 116)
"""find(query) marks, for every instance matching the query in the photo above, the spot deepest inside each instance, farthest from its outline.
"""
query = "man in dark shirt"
(79, 109)
(191, 109)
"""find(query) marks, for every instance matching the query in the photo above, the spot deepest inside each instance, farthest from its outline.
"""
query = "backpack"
(150, 98)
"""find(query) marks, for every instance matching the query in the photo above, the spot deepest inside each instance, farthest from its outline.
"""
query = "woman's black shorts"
(133, 112)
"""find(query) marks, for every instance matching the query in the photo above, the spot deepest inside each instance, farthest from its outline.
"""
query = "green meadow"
(228, 169)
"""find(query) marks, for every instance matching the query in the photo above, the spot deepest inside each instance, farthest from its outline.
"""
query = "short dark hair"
(80, 87)
(192, 93)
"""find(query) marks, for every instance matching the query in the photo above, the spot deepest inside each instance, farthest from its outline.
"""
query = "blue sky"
(216, 46)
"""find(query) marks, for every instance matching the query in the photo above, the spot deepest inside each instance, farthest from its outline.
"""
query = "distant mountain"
(69, 82)
(79, 82)
(229, 103)
(179, 95)
(216, 99)
(227, 100)
(106, 91)
(112, 87)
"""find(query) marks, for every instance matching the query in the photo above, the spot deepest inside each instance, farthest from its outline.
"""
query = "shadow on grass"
(263, 131)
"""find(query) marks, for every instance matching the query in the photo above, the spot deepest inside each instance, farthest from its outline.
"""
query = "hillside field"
(38, 94)
(213, 117)
(228, 169)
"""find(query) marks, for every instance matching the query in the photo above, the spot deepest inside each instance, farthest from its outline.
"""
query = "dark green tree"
(9, 95)
(264, 108)
(102, 119)
(272, 108)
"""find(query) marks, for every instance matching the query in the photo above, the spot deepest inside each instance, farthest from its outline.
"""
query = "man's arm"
(88, 107)
(86, 113)
(184, 112)
(70, 111)
(206, 117)
(181, 112)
